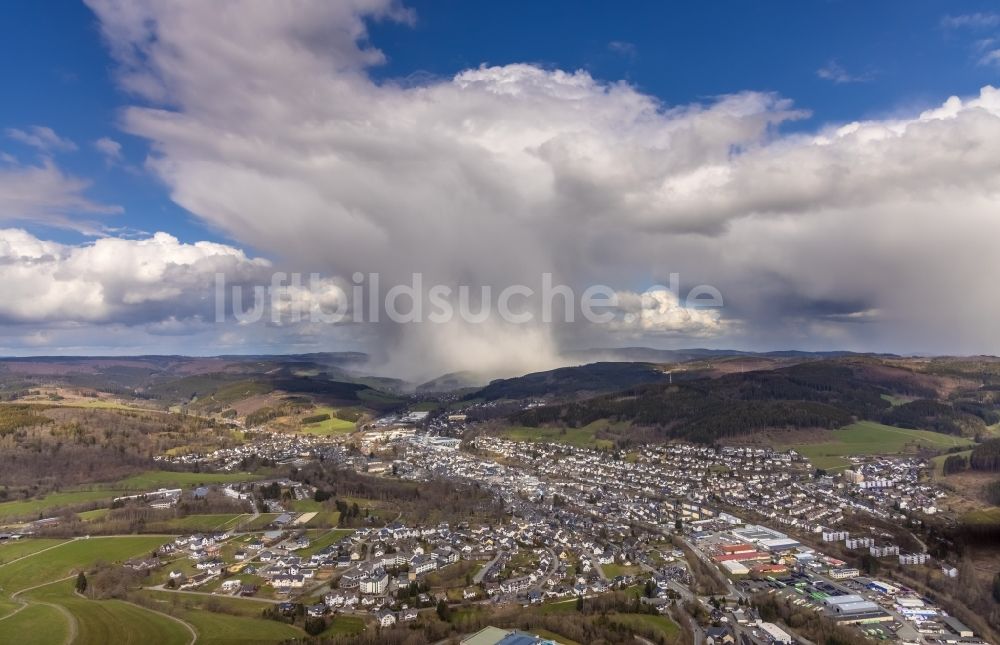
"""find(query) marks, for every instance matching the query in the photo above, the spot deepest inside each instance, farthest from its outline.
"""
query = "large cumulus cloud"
(114, 280)
(265, 122)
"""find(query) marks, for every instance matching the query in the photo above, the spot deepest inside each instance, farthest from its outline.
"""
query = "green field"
(614, 570)
(23, 547)
(895, 401)
(110, 621)
(306, 505)
(65, 559)
(331, 426)
(325, 540)
(42, 581)
(32, 508)
(218, 629)
(989, 515)
(324, 518)
(153, 479)
(662, 624)
(197, 523)
(103, 493)
(581, 437)
(344, 626)
(870, 438)
(558, 607)
(261, 522)
(35, 625)
(96, 514)
(938, 461)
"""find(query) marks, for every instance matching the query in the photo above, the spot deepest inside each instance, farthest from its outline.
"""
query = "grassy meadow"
(583, 437)
(870, 438)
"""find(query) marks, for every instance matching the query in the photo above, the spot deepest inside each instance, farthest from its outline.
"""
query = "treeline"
(954, 464)
(432, 501)
(964, 417)
(986, 456)
(992, 493)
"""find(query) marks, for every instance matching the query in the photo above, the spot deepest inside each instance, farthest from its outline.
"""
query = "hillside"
(573, 381)
(824, 394)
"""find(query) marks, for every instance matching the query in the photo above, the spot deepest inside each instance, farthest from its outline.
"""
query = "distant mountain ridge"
(571, 381)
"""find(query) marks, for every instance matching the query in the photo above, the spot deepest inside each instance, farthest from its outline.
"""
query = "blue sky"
(60, 73)
(792, 155)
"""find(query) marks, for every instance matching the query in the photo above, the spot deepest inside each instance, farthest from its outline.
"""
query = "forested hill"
(594, 378)
(822, 394)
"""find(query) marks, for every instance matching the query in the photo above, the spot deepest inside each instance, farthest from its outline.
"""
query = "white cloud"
(836, 73)
(42, 138)
(113, 280)
(45, 194)
(110, 149)
(979, 20)
(990, 58)
(265, 123)
(659, 311)
(623, 48)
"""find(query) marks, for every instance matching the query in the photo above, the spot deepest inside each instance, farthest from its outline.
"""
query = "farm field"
(988, 516)
(306, 506)
(870, 438)
(104, 493)
(36, 625)
(153, 479)
(261, 522)
(324, 518)
(199, 523)
(584, 437)
(215, 628)
(65, 559)
(31, 508)
(21, 548)
(111, 621)
(328, 427)
(938, 461)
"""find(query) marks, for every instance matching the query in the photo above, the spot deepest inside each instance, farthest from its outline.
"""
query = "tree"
(996, 587)
(869, 564)
(314, 626)
(678, 525)
(954, 464)
(443, 610)
(579, 603)
(81, 582)
(650, 589)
